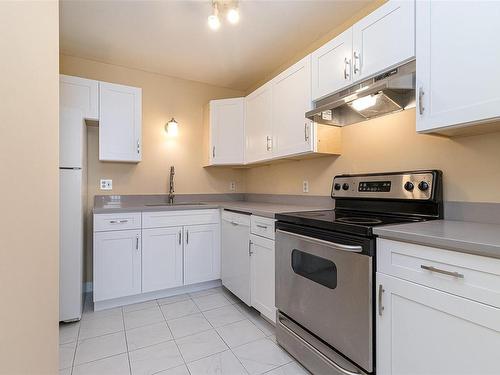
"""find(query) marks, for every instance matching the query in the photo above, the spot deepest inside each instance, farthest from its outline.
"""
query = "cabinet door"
(258, 125)
(201, 253)
(80, 93)
(235, 272)
(457, 46)
(384, 38)
(291, 100)
(425, 331)
(331, 65)
(161, 258)
(227, 136)
(120, 123)
(117, 264)
(263, 271)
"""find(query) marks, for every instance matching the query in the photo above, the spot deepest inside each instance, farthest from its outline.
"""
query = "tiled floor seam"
(76, 346)
(126, 343)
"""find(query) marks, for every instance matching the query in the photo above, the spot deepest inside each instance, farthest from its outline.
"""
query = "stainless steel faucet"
(171, 194)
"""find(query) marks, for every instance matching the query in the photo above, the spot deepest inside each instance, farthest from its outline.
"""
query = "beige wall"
(163, 97)
(471, 165)
(29, 269)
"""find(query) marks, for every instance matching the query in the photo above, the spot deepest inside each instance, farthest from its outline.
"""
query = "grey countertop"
(149, 203)
(467, 237)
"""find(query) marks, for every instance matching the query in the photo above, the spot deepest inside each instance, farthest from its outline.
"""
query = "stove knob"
(409, 186)
(345, 186)
(423, 185)
(337, 186)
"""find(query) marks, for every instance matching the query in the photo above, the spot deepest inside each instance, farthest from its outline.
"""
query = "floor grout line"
(126, 343)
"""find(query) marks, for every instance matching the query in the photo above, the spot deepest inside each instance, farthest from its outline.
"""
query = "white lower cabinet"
(263, 272)
(201, 253)
(117, 264)
(162, 258)
(432, 328)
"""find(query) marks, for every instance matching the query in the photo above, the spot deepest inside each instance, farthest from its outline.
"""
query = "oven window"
(319, 270)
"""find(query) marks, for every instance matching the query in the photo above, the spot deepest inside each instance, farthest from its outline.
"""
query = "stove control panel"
(405, 185)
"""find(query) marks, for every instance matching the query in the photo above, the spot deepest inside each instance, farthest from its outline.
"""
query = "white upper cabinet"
(80, 93)
(457, 63)
(258, 124)
(383, 39)
(332, 65)
(161, 258)
(227, 131)
(291, 98)
(120, 123)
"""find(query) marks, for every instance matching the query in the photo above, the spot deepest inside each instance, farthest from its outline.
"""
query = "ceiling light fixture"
(228, 8)
(213, 19)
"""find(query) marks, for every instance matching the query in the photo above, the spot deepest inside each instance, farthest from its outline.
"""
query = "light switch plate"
(106, 184)
(232, 186)
(305, 186)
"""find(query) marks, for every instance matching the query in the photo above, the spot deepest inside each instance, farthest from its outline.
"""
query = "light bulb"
(172, 128)
(364, 102)
(213, 22)
(233, 15)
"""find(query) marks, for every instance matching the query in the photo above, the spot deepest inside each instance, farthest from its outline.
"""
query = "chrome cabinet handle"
(261, 226)
(357, 57)
(187, 237)
(334, 245)
(346, 73)
(280, 320)
(180, 237)
(250, 252)
(268, 139)
(444, 272)
(138, 147)
(118, 221)
(420, 100)
(213, 151)
(137, 242)
(306, 133)
(234, 223)
(381, 290)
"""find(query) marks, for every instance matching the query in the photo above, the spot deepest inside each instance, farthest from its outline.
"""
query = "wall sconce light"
(172, 127)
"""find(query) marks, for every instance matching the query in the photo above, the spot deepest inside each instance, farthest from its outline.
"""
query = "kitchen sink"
(175, 204)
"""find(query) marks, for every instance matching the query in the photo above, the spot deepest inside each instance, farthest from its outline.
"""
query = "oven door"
(326, 288)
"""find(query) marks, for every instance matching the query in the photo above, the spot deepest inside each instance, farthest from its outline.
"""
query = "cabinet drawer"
(466, 275)
(179, 218)
(119, 221)
(262, 226)
(236, 218)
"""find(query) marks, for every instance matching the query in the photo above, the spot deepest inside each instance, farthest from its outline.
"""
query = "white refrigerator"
(72, 206)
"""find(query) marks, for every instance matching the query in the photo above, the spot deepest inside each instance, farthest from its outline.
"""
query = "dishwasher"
(235, 268)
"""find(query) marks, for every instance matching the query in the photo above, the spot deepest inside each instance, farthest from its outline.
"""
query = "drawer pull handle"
(261, 226)
(444, 272)
(118, 221)
(381, 290)
(234, 223)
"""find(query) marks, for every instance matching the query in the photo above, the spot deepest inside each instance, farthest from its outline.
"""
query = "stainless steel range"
(325, 267)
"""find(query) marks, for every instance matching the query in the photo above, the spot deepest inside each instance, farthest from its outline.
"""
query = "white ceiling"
(172, 37)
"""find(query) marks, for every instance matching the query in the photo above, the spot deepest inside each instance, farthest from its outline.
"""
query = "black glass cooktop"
(351, 222)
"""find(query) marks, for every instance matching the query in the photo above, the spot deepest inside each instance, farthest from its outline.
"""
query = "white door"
(258, 125)
(117, 264)
(70, 244)
(384, 38)
(331, 66)
(263, 272)
(457, 64)
(161, 258)
(227, 132)
(80, 93)
(292, 132)
(201, 253)
(235, 273)
(423, 331)
(120, 123)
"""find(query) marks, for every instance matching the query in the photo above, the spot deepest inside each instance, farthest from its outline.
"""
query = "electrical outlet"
(106, 184)
(305, 186)
(232, 186)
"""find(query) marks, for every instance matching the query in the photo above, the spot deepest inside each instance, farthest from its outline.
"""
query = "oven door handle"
(312, 348)
(333, 245)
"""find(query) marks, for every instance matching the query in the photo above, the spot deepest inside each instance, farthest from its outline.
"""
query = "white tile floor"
(208, 332)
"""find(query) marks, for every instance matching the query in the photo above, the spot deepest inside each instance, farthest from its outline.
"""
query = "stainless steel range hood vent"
(391, 91)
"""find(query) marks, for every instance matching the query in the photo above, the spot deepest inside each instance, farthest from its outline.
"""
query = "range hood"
(390, 91)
